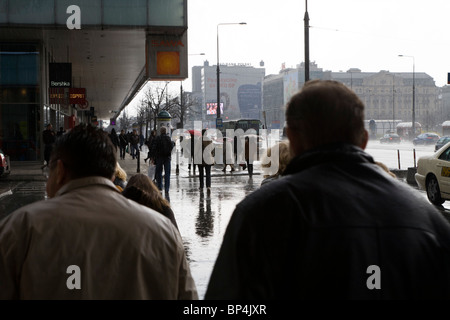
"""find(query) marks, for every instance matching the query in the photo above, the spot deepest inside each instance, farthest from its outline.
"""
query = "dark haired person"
(141, 189)
(123, 143)
(204, 158)
(88, 241)
(336, 225)
(49, 138)
(161, 150)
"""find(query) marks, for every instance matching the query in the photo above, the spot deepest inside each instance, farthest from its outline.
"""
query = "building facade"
(240, 91)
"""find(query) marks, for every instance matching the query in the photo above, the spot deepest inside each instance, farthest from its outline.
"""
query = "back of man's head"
(86, 151)
(163, 130)
(325, 112)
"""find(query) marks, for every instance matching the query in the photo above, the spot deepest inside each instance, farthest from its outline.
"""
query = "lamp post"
(306, 20)
(182, 111)
(413, 96)
(393, 100)
(181, 88)
(218, 68)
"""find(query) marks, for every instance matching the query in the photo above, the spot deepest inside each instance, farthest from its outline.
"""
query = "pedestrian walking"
(141, 189)
(87, 241)
(336, 226)
(162, 147)
(141, 141)
(49, 138)
(191, 154)
(60, 132)
(206, 151)
(134, 144)
(114, 138)
(123, 143)
(148, 143)
(228, 157)
(250, 150)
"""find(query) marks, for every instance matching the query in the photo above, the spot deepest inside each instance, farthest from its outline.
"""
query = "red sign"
(68, 96)
(77, 95)
(57, 96)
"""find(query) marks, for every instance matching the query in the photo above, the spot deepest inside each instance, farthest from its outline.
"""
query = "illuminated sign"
(67, 96)
(167, 63)
(211, 108)
(77, 96)
(60, 75)
(57, 96)
(166, 57)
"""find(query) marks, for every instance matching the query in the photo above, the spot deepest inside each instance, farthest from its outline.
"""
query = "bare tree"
(157, 99)
(124, 121)
(141, 115)
(183, 104)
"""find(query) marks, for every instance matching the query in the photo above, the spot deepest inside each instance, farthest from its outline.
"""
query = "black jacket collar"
(336, 152)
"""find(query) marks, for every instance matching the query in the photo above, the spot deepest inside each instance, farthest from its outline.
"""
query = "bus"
(244, 124)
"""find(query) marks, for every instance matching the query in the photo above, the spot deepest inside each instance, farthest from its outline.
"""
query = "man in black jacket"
(161, 150)
(49, 138)
(336, 226)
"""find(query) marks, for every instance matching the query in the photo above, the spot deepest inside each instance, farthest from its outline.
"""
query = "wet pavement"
(201, 217)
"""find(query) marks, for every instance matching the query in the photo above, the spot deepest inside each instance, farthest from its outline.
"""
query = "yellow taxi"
(433, 175)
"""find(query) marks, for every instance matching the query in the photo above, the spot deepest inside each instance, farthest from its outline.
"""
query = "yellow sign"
(166, 57)
(167, 63)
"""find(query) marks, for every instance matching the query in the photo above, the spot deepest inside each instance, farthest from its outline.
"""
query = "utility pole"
(306, 19)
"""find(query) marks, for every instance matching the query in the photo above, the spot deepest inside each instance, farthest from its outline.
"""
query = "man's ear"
(365, 140)
(62, 175)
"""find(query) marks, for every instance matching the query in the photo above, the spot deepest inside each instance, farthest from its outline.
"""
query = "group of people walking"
(332, 224)
(130, 142)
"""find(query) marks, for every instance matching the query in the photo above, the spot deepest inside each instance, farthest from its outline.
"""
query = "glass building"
(108, 53)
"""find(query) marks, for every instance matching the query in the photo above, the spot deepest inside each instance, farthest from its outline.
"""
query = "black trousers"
(202, 173)
(47, 152)
(250, 168)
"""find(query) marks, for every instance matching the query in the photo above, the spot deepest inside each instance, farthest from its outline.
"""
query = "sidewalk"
(179, 167)
(31, 171)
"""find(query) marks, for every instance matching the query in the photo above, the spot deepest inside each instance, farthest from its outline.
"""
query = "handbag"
(126, 149)
(151, 170)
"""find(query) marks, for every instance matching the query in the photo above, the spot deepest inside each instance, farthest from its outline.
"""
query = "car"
(5, 167)
(426, 139)
(433, 175)
(441, 142)
(390, 138)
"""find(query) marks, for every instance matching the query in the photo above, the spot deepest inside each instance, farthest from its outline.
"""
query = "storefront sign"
(167, 57)
(77, 96)
(60, 75)
(58, 96)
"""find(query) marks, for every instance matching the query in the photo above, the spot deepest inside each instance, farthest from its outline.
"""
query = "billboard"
(211, 108)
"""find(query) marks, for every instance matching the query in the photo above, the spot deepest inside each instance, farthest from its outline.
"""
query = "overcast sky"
(364, 34)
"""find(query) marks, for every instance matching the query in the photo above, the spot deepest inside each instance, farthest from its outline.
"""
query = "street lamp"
(218, 68)
(306, 19)
(413, 96)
